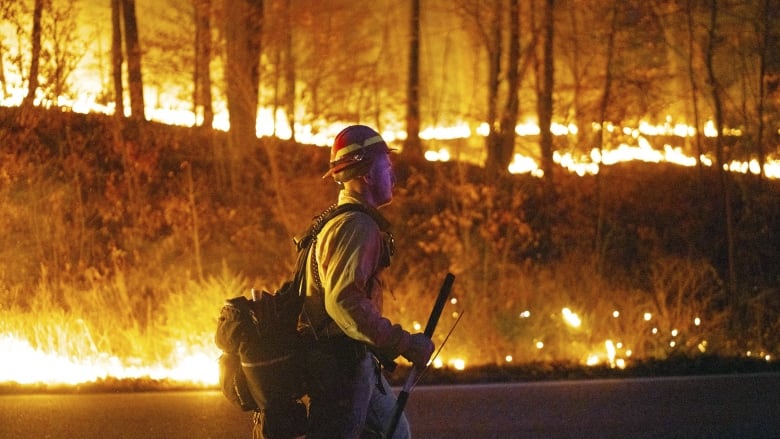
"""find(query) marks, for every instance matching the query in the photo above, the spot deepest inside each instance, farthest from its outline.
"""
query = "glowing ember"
(441, 155)
(458, 364)
(611, 352)
(571, 318)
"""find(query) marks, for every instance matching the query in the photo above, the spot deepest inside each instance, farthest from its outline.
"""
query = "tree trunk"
(505, 147)
(412, 146)
(545, 103)
(575, 48)
(117, 58)
(720, 159)
(202, 100)
(2, 76)
(694, 91)
(764, 38)
(243, 25)
(544, 108)
(289, 73)
(35, 57)
(494, 50)
(133, 51)
(603, 107)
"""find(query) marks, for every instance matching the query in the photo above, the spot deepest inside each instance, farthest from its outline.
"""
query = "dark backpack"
(261, 365)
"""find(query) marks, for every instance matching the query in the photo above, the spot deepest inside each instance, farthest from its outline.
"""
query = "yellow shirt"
(349, 256)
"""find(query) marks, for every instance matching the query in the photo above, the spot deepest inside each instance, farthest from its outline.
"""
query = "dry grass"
(129, 249)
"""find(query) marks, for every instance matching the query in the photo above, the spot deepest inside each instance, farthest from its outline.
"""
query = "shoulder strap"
(380, 221)
(333, 211)
(303, 244)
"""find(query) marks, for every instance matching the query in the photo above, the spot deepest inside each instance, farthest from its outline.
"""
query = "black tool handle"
(433, 320)
(441, 300)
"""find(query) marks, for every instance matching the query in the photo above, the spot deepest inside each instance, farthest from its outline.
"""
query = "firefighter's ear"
(366, 178)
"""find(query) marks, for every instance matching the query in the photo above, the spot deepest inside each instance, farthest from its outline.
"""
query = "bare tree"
(603, 108)
(577, 41)
(412, 146)
(545, 95)
(289, 72)
(243, 20)
(278, 33)
(2, 75)
(767, 19)
(495, 52)
(55, 47)
(495, 26)
(117, 58)
(720, 158)
(202, 75)
(606, 91)
(133, 52)
(499, 153)
(66, 48)
(483, 21)
(35, 57)
(8, 11)
(691, 48)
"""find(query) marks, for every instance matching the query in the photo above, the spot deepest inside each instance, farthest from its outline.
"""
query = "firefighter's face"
(381, 180)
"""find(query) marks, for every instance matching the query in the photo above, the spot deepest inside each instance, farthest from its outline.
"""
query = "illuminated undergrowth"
(118, 256)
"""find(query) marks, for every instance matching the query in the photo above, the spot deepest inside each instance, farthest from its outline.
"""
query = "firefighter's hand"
(419, 351)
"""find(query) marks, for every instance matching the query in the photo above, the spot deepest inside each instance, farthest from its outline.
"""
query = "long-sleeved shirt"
(350, 257)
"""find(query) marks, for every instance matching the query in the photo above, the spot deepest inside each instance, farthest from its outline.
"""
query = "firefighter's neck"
(360, 186)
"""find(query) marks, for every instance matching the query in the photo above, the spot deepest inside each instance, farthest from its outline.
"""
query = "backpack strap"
(336, 210)
(306, 243)
(380, 221)
(333, 211)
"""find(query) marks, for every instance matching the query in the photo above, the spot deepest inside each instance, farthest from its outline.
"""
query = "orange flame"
(24, 364)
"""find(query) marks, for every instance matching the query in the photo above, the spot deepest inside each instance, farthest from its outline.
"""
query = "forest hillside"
(126, 238)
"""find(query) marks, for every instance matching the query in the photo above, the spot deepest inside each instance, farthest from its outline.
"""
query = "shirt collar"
(347, 196)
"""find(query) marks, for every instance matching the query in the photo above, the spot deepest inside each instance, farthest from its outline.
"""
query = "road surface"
(724, 406)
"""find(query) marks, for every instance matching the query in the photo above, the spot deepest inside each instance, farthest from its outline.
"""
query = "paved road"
(734, 406)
